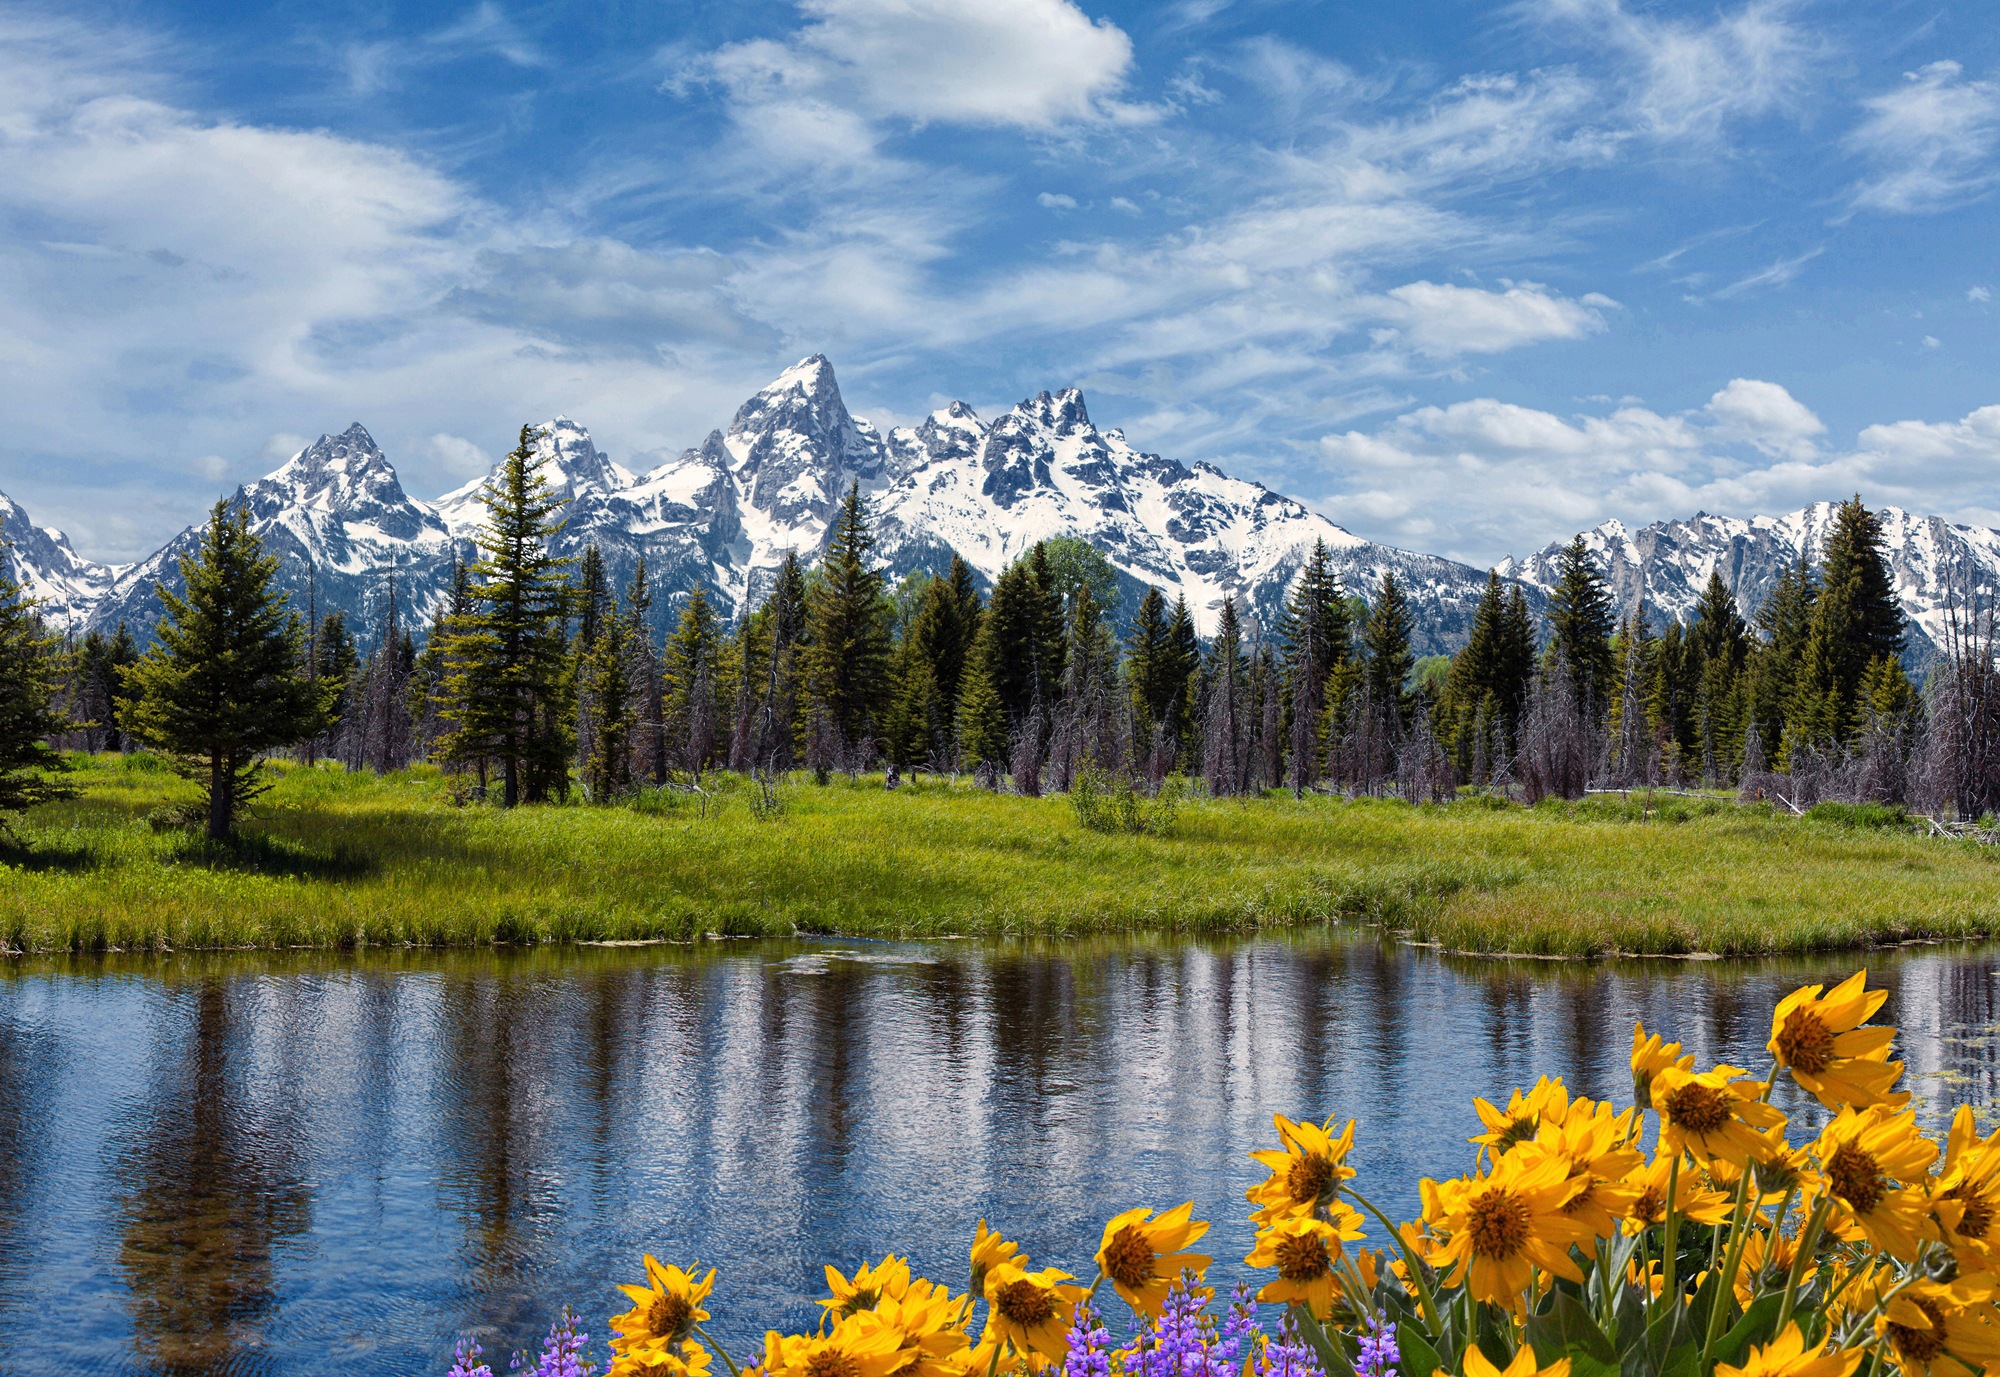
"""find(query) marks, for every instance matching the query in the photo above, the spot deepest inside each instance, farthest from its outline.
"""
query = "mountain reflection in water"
(292, 1164)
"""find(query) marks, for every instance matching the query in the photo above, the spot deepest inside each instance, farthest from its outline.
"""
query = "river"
(302, 1163)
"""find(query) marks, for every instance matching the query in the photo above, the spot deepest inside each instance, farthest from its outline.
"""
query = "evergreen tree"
(29, 669)
(611, 689)
(1146, 663)
(1315, 633)
(1477, 676)
(1719, 634)
(779, 716)
(1225, 732)
(930, 665)
(649, 738)
(1387, 641)
(980, 724)
(1015, 655)
(334, 665)
(693, 713)
(222, 684)
(847, 664)
(433, 668)
(1581, 625)
(1051, 640)
(509, 684)
(1773, 668)
(1855, 622)
(1631, 742)
(1183, 667)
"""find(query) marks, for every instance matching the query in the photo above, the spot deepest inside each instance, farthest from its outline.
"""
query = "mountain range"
(722, 515)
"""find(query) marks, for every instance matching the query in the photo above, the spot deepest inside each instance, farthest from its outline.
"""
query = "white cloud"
(1029, 64)
(1933, 342)
(457, 455)
(1978, 295)
(1443, 320)
(1767, 416)
(1056, 200)
(1930, 142)
(1690, 79)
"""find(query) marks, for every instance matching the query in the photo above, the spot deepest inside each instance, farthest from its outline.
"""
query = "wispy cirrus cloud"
(1930, 144)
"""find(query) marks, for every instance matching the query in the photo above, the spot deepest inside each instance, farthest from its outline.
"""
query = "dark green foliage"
(1315, 633)
(1161, 656)
(1386, 647)
(614, 694)
(1773, 669)
(1075, 564)
(693, 713)
(980, 723)
(508, 691)
(847, 662)
(1581, 626)
(221, 685)
(29, 680)
(92, 696)
(1023, 643)
(1488, 679)
(1856, 622)
(930, 667)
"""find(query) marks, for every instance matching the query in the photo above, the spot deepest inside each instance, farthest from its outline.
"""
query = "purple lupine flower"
(1288, 1354)
(1089, 1345)
(1242, 1323)
(1184, 1341)
(468, 1364)
(562, 1352)
(1379, 1354)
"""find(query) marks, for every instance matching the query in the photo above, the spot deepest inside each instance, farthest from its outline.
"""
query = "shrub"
(1111, 803)
(1859, 815)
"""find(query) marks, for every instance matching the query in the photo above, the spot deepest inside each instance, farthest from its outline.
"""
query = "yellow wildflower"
(1786, 1356)
(861, 1345)
(1694, 1199)
(869, 1286)
(1966, 1199)
(1650, 1056)
(1500, 1226)
(660, 1359)
(1303, 1250)
(1712, 1114)
(1029, 1311)
(989, 1250)
(1818, 1038)
(1943, 1329)
(1306, 1170)
(1864, 1153)
(1594, 1144)
(666, 1308)
(1144, 1257)
(1522, 1117)
(1477, 1364)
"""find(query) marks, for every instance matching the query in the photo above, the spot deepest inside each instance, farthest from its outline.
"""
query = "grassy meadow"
(329, 859)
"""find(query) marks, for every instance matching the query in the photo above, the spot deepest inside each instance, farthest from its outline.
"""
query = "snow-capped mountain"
(724, 513)
(1934, 563)
(342, 528)
(40, 560)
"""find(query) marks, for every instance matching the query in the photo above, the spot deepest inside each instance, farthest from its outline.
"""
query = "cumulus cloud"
(1443, 320)
(1767, 416)
(1930, 143)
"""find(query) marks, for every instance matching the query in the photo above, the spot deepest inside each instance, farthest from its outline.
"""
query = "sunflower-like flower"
(1788, 1356)
(666, 1309)
(1715, 1115)
(1522, 1117)
(1500, 1226)
(1307, 1170)
(1965, 1201)
(1651, 1054)
(1766, 1265)
(1029, 1312)
(926, 1316)
(1594, 1143)
(1864, 1154)
(989, 1250)
(1524, 1364)
(1304, 1250)
(867, 1288)
(1144, 1257)
(1942, 1329)
(861, 1345)
(1818, 1037)
(1694, 1199)
(661, 1359)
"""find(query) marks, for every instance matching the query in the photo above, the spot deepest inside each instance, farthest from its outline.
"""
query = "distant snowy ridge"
(1666, 565)
(724, 513)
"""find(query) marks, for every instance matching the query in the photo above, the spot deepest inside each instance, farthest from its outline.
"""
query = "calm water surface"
(308, 1164)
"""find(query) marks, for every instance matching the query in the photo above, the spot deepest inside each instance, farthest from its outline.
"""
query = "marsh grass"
(329, 859)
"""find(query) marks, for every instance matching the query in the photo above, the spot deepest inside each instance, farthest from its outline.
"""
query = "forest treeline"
(539, 681)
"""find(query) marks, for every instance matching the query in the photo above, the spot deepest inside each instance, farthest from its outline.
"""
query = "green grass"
(330, 860)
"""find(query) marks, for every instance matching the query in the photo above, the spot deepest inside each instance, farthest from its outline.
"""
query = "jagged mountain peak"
(1062, 411)
(572, 465)
(335, 473)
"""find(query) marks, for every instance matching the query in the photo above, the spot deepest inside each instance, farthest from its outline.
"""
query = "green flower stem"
(721, 1352)
(1417, 1278)
(1726, 1279)
(1808, 1242)
(1670, 1243)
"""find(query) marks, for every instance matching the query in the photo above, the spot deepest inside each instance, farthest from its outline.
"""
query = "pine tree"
(1631, 753)
(847, 664)
(333, 667)
(610, 687)
(930, 665)
(590, 606)
(1855, 622)
(692, 712)
(1225, 733)
(1183, 666)
(1773, 668)
(1475, 679)
(1015, 655)
(222, 684)
(980, 722)
(1051, 640)
(1147, 663)
(509, 684)
(1581, 625)
(29, 668)
(1315, 632)
(1387, 642)
(649, 738)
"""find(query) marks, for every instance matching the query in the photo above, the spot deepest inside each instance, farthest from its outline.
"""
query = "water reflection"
(290, 1164)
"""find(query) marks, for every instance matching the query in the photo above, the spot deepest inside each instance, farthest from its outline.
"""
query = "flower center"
(867, 1298)
(1804, 1044)
(1520, 1130)
(1128, 1258)
(1919, 1345)
(1856, 1177)
(1699, 1109)
(670, 1315)
(831, 1362)
(1978, 1216)
(1308, 1177)
(1024, 1303)
(1651, 1206)
(1303, 1257)
(1499, 1223)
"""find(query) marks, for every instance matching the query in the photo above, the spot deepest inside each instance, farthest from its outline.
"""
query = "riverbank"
(330, 859)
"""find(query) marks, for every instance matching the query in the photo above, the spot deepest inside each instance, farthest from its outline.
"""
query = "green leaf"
(1631, 1319)
(1332, 1355)
(1568, 1330)
(1754, 1328)
(1419, 1359)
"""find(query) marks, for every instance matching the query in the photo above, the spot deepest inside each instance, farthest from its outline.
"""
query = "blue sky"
(1465, 277)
